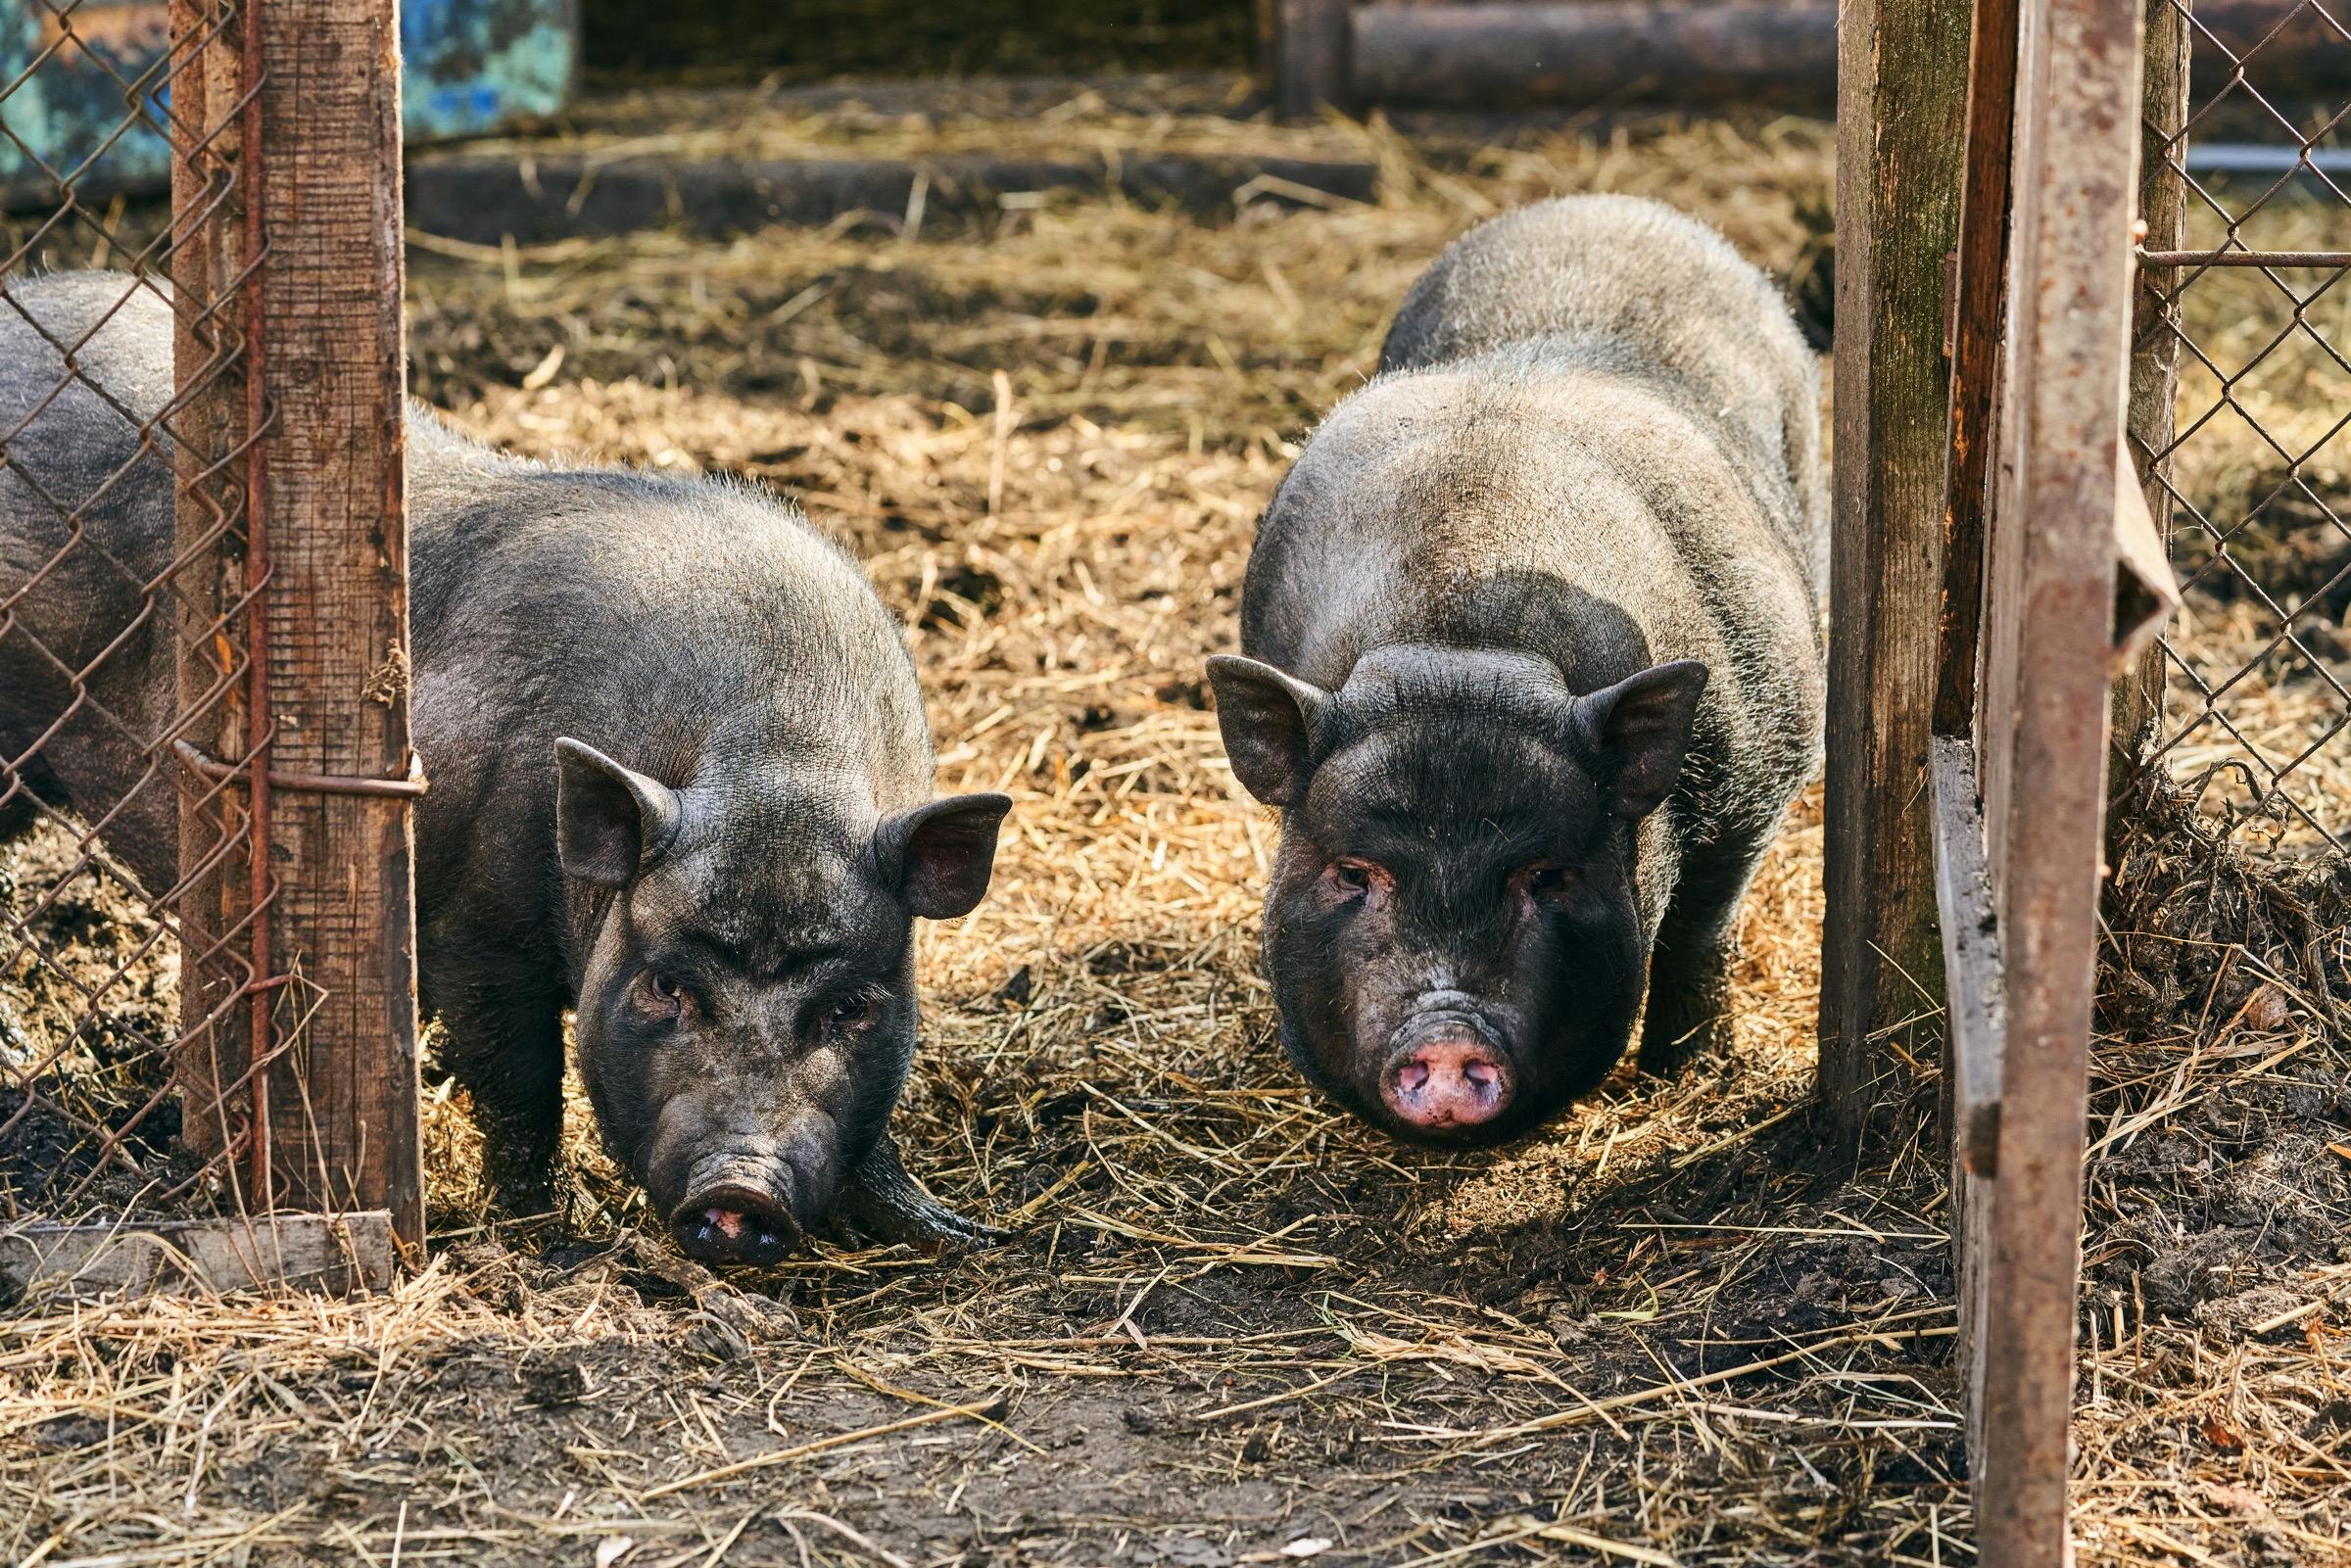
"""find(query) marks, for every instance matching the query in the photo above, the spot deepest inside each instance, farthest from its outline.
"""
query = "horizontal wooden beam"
(1476, 55)
(336, 1254)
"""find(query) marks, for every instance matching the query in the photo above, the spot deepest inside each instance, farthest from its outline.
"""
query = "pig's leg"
(1689, 966)
(879, 1199)
(505, 1047)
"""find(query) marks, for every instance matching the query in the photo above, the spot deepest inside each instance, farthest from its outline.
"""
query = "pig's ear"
(611, 822)
(1641, 727)
(1268, 721)
(937, 858)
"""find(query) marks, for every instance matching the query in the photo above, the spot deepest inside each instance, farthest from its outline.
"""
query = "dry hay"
(1234, 1326)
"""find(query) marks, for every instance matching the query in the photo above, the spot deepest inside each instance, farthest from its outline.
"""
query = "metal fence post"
(2052, 645)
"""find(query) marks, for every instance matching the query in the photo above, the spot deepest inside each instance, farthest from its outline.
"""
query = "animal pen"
(2024, 415)
(275, 1115)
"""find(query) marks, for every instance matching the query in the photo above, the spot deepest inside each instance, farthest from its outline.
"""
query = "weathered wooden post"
(214, 129)
(310, 408)
(334, 375)
(2154, 339)
(1310, 42)
(1902, 101)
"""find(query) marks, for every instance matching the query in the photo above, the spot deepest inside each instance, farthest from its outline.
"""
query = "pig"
(1532, 667)
(680, 781)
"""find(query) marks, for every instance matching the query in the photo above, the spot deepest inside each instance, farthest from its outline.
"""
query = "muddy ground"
(1676, 1328)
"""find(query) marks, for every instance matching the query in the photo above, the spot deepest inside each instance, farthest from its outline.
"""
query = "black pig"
(681, 778)
(1534, 669)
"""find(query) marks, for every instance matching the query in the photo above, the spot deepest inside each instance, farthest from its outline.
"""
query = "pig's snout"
(734, 1224)
(1447, 1072)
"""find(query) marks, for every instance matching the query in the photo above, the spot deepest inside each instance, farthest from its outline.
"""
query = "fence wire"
(2249, 170)
(128, 922)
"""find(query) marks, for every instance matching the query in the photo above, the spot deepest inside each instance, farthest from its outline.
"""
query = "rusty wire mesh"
(2248, 296)
(124, 650)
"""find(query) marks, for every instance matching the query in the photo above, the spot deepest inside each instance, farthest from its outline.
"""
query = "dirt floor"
(1232, 1327)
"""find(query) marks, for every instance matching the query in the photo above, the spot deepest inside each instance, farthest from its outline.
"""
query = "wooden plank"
(1982, 263)
(337, 1255)
(1972, 1055)
(1900, 130)
(344, 922)
(1481, 55)
(1971, 957)
(2154, 345)
(2069, 315)
(1311, 44)
(212, 475)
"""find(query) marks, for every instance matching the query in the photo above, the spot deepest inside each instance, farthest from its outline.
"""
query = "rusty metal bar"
(258, 723)
(313, 784)
(2042, 733)
(2199, 259)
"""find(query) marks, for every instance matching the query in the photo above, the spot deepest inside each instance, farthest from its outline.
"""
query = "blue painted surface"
(467, 65)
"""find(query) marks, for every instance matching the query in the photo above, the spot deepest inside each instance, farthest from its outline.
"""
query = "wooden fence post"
(2154, 343)
(344, 1099)
(1901, 121)
(209, 428)
(1311, 45)
(1971, 1043)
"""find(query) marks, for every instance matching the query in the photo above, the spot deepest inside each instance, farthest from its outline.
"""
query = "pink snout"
(1450, 1081)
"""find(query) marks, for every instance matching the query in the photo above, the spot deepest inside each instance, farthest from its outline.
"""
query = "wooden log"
(2043, 718)
(343, 1099)
(483, 198)
(1311, 40)
(1484, 55)
(1902, 101)
(335, 1255)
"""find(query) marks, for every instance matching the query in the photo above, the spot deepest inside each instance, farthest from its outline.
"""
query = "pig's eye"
(851, 1011)
(1550, 881)
(1352, 876)
(664, 993)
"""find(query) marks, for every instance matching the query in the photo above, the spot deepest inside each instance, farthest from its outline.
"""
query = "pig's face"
(1454, 929)
(746, 1011)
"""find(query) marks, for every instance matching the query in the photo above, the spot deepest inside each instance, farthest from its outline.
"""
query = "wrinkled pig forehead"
(1452, 783)
(770, 887)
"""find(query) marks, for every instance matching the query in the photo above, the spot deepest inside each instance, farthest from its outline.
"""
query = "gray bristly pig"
(681, 780)
(1534, 669)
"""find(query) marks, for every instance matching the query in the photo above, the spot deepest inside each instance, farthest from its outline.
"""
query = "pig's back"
(690, 626)
(1624, 286)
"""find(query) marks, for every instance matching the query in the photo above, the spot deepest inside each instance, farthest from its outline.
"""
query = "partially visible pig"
(681, 780)
(1534, 668)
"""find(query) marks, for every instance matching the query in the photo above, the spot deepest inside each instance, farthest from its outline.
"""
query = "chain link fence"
(2242, 416)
